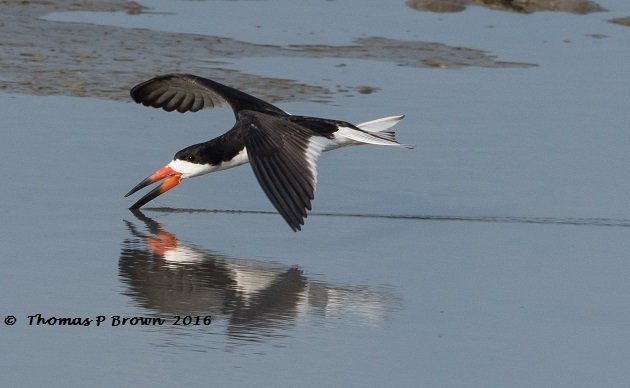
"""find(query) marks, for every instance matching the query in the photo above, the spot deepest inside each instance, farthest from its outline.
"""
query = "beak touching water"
(172, 179)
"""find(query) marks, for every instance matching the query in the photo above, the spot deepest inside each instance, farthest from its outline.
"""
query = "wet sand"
(581, 7)
(43, 57)
(625, 21)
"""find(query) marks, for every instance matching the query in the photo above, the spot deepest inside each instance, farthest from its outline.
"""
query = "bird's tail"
(381, 124)
(377, 132)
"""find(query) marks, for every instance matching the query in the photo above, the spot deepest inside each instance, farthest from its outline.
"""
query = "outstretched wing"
(283, 156)
(189, 93)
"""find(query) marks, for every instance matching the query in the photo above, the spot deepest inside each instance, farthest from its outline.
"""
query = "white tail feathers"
(380, 125)
(375, 132)
(370, 132)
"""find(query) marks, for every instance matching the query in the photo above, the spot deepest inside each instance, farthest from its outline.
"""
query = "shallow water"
(492, 255)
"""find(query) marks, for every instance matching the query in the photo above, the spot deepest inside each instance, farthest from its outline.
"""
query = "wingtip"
(295, 225)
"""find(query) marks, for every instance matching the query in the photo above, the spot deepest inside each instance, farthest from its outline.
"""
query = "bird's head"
(185, 164)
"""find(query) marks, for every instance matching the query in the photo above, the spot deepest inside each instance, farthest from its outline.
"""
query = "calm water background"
(494, 254)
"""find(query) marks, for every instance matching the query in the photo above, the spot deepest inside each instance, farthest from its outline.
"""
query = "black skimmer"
(282, 148)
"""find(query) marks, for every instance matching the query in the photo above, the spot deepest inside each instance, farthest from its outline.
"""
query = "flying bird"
(281, 148)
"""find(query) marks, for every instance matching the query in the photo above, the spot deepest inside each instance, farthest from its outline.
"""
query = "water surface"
(492, 255)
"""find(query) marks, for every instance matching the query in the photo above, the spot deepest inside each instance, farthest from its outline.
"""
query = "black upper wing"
(186, 92)
(283, 156)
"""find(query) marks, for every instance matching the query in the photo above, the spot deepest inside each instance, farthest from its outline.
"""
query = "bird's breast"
(190, 170)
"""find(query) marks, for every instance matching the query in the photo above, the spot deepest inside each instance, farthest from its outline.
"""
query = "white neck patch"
(189, 170)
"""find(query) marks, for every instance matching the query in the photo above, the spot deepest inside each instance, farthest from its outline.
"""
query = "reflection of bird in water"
(174, 278)
(282, 148)
(257, 298)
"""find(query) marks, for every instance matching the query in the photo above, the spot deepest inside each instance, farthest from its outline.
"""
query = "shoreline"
(42, 57)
